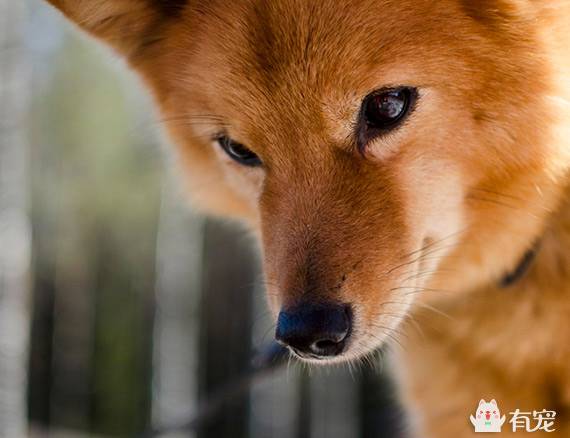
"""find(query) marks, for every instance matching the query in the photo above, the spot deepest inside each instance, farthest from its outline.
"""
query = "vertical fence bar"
(41, 348)
(14, 221)
(381, 416)
(335, 404)
(304, 412)
(178, 282)
(230, 270)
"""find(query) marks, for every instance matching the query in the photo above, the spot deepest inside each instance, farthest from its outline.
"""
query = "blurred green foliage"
(96, 176)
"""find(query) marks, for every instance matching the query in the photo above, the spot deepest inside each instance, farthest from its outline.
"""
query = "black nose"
(315, 330)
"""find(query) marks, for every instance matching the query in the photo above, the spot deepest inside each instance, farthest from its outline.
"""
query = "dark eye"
(384, 110)
(238, 152)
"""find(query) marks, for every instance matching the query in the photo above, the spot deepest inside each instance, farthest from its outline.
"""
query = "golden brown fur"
(429, 219)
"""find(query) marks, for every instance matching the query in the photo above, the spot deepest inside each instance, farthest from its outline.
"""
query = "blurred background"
(123, 312)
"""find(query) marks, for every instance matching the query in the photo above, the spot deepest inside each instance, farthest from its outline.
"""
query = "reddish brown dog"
(400, 160)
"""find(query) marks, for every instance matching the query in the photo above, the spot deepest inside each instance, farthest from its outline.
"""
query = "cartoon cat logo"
(488, 418)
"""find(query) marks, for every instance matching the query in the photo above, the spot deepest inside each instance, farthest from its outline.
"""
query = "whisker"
(426, 273)
(434, 245)
(435, 310)
(503, 204)
(421, 305)
(389, 333)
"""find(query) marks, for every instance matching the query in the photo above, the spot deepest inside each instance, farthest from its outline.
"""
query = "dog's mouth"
(328, 352)
(329, 331)
(325, 335)
(325, 350)
(356, 347)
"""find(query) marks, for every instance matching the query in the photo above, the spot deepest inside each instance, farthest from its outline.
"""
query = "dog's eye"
(384, 110)
(238, 152)
(387, 108)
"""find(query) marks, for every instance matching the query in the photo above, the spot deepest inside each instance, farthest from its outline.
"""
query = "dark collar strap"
(521, 269)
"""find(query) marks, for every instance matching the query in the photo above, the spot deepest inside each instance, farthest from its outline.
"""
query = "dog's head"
(384, 150)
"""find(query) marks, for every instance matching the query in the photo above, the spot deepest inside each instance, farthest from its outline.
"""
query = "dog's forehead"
(280, 62)
(293, 42)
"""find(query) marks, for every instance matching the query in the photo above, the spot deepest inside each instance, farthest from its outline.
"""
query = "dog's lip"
(309, 357)
(306, 356)
(316, 357)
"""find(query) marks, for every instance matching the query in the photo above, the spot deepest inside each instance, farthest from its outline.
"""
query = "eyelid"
(363, 137)
(231, 146)
(218, 135)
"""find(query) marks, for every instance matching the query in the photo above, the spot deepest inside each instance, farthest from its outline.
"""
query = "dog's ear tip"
(122, 24)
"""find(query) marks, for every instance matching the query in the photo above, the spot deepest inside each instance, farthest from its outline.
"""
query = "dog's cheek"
(434, 201)
(206, 183)
(246, 181)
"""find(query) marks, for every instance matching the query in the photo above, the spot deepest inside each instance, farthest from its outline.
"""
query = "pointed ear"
(126, 25)
(482, 402)
(494, 402)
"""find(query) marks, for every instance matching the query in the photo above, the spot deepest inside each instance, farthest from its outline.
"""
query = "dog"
(405, 166)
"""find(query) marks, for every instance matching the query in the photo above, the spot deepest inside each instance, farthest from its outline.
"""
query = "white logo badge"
(488, 417)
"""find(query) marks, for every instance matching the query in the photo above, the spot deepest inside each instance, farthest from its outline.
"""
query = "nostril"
(332, 345)
(325, 344)
(327, 348)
